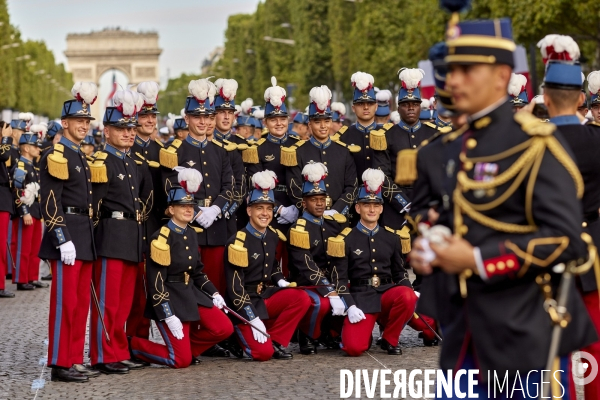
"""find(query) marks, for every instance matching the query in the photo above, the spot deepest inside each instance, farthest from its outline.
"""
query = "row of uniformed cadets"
(498, 203)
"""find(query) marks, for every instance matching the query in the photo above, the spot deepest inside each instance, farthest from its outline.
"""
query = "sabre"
(429, 326)
(11, 258)
(238, 316)
(95, 298)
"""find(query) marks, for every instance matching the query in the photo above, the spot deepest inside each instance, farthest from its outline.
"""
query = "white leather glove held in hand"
(337, 305)
(67, 253)
(355, 314)
(218, 301)
(288, 215)
(175, 326)
(330, 212)
(208, 216)
(283, 283)
(259, 337)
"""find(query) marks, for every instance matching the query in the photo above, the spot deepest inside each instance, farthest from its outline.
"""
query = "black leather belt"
(280, 188)
(119, 215)
(258, 289)
(204, 202)
(375, 281)
(78, 211)
(179, 278)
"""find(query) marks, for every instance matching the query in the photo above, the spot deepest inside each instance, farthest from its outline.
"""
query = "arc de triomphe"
(90, 55)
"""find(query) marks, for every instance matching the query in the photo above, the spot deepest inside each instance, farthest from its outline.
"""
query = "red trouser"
(310, 324)
(397, 308)
(592, 303)
(214, 266)
(281, 255)
(137, 324)
(4, 266)
(418, 325)
(114, 281)
(69, 307)
(24, 246)
(286, 308)
(198, 336)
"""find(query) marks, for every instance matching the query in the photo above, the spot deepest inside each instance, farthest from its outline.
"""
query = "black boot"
(25, 286)
(39, 284)
(6, 293)
(85, 370)
(307, 346)
(47, 277)
(391, 349)
(280, 353)
(235, 348)
(112, 368)
(216, 351)
(67, 375)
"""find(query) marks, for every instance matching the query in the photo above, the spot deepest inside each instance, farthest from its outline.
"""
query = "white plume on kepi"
(373, 179)
(26, 116)
(189, 178)
(395, 117)
(559, 47)
(425, 104)
(170, 122)
(338, 107)
(517, 84)
(362, 81)
(203, 89)
(148, 91)
(264, 180)
(321, 97)
(275, 94)
(247, 105)
(227, 88)
(383, 96)
(411, 77)
(127, 101)
(259, 114)
(314, 172)
(39, 129)
(85, 91)
(593, 79)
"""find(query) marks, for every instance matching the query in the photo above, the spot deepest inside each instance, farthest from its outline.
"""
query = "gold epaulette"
(336, 246)
(339, 218)
(160, 251)
(593, 123)
(445, 129)
(288, 154)
(264, 132)
(237, 254)
(534, 126)
(352, 148)
(168, 156)
(57, 163)
(197, 229)
(431, 125)
(294, 137)
(298, 236)
(250, 155)
(227, 145)
(241, 146)
(21, 165)
(377, 140)
(240, 136)
(404, 234)
(98, 168)
(279, 234)
(159, 143)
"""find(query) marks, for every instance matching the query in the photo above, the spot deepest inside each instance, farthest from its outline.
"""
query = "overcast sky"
(188, 29)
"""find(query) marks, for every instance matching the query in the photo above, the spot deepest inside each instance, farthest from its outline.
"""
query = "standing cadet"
(27, 229)
(593, 79)
(53, 129)
(183, 302)
(271, 153)
(300, 126)
(68, 241)
(19, 127)
(370, 257)
(256, 288)
(338, 113)
(88, 145)
(309, 264)
(7, 207)
(336, 155)
(224, 109)
(211, 159)
(118, 237)
(510, 177)
(382, 115)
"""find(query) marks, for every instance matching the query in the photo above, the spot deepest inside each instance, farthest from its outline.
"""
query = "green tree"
(340, 17)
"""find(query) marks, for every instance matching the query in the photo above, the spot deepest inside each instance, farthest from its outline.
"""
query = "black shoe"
(6, 293)
(430, 342)
(391, 350)
(85, 370)
(235, 348)
(47, 277)
(195, 361)
(111, 368)
(216, 351)
(134, 363)
(39, 284)
(8, 276)
(307, 345)
(281, 353)
(67, 375)
(25, 286)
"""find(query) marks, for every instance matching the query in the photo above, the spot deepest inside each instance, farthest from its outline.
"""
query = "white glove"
(337, 305)
(288, 215)
(67, 253)
(355, 314)
(428, 255)
(208, 216)
(218, 301)
(283, 283)
(259, 337)
(175, 326)
(330, 212)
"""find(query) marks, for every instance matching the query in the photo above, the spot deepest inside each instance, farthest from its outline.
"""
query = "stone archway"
(89, 55)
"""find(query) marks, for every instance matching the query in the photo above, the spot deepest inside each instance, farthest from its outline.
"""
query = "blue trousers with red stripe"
(24, 246)
(69, 308)
(198, 336)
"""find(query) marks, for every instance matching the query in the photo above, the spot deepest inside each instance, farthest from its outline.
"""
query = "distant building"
(211, 60)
